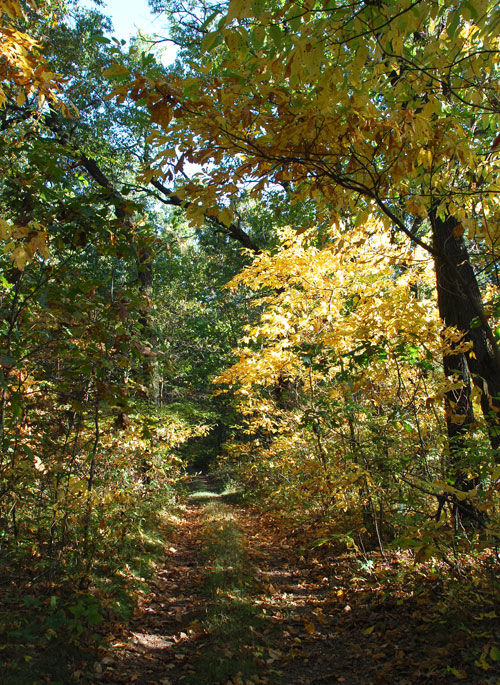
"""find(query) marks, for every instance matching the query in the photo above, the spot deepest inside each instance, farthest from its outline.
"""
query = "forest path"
(235, 602)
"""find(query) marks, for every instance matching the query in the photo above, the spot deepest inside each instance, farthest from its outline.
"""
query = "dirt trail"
(155, 646)
(320, 623)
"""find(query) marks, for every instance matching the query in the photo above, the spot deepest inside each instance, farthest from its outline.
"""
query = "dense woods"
(273, 260)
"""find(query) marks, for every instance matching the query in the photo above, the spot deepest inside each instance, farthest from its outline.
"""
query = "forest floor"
(236, 602)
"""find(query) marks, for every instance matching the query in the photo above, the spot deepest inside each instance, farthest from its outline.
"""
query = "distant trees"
(88, 346)
(382, 109)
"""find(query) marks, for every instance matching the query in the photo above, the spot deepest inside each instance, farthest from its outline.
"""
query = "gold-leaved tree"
(384, 109)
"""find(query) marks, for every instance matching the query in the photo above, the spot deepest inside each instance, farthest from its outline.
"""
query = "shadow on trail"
(199, 622)
(238, 602)
(158, 643)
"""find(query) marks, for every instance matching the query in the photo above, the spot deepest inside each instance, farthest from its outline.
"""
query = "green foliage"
(88, 557)
(232, 619)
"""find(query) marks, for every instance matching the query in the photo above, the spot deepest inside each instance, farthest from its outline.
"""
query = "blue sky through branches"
(130, 16)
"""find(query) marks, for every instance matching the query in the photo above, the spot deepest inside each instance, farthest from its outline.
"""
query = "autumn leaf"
(309, 627)
(494, 653)
(116, 70)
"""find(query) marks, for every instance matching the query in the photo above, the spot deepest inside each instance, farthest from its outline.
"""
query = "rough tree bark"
(457, 290)
(459, 298)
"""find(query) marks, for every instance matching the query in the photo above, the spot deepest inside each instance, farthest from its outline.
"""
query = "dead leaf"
(309, 627)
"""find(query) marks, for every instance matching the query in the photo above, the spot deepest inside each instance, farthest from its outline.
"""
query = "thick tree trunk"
(458, 290)
(455, 310)
(458, 301)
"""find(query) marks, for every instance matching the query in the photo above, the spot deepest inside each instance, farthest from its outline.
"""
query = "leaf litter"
(312, 616)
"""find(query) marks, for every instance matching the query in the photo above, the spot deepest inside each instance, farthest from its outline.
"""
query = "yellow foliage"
(313, 406)
(24, 242)
(339, 297)
(360, 104)
(23, 71)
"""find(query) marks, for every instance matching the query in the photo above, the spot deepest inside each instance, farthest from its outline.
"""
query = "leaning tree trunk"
(459, 301)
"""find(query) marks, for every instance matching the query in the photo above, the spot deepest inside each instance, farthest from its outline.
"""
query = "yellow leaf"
(20, 257)
(226, 217)
(116, 70)
(482, 663)
(5, 230)
(369, 630)
(459, 673)
(39, 244)
(239, 9)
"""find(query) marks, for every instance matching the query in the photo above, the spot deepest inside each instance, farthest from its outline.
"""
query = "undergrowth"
(80, 567)
(50, 627)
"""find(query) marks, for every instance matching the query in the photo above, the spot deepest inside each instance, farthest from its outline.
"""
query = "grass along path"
(240, 602)
(236, 627)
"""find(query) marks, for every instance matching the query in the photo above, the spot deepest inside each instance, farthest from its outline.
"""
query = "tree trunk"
(458, 301)
(457, 290)
(150, 365)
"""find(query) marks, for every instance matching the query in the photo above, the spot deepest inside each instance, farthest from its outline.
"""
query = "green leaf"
(495, 654)
(276, 34)
(209, 20)
(258, 7)
(472, 9)
(453, 25)
(210, 41)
